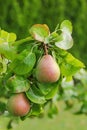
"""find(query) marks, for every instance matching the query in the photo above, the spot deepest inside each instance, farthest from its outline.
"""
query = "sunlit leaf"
(35, 96)
(7, 37)
(67, 41)
(73, 61)
(24, 63)
(12, 37)
(4, 35)
(39, 32)
(66, 24)
(48, 89)
(5, 49)
(8, 52)
(17, 84)
(69, 65)
(52, 93)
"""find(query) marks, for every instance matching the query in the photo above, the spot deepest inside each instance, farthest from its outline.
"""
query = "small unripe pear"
(47, 70)
(18, 105)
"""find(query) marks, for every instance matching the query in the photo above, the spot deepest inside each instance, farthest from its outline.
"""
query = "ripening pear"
(18, 105)
(47, 70)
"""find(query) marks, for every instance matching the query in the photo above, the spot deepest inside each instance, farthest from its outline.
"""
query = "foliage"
(18, 15)
(18, 64)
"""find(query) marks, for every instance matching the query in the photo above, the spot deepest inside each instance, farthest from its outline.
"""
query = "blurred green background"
(65, 120)
(19, 15)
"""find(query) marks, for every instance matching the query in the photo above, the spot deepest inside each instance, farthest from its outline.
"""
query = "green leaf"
(39, 32)
(3, 65)
(53, 37)
(25, 46)
(48, 89)
(7, 51)
(68, 70)
(53, 110)
(35, 95)
(69, 65)
(36, 110)
(12, 37)
(24, 63)
(84, 107)
(52, 93)
(17, 84)
(45, 88)
(73, 61)
(67, 41)
(5, 40)
(13, 123)
(66, 24)
(7, 37)
(4, 35)
(22, 41)
(2, 107)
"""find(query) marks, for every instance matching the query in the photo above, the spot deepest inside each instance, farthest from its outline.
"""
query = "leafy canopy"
(18, 61)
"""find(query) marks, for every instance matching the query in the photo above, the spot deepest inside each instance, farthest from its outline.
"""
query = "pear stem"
(45, 49)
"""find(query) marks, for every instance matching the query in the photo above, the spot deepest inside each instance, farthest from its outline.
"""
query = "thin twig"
(45, 49)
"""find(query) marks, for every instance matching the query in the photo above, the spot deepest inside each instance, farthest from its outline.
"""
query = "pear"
(47, 70)
(18, 105)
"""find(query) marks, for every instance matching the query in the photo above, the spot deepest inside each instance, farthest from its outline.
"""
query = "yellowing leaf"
(12, 37)
(7, 37)
(39, 32)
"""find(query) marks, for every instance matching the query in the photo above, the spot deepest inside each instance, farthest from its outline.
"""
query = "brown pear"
(47, 70)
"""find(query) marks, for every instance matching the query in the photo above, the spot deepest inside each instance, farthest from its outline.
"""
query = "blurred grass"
(65, 120)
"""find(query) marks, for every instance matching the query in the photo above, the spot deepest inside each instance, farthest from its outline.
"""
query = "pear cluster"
(47, 71)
